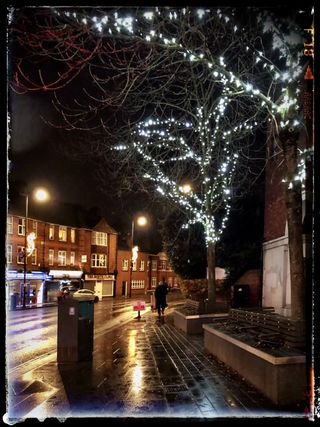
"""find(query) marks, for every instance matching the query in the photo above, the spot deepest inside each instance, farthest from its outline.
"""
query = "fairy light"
(209, 134)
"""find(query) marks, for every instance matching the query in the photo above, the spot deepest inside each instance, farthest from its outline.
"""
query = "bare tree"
(151, 71)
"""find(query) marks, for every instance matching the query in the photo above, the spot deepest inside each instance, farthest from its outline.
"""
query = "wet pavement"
(140, 368)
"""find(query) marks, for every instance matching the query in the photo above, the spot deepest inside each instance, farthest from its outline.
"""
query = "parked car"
(85, 295)
(69, 289)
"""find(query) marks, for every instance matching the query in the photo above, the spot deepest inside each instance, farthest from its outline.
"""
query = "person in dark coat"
(160, 295)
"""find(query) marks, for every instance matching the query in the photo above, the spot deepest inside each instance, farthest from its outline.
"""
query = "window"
(125, 265)
(62, 233)
(141, 266)
(21, 226)
(99, 239)
(51, 256)
(35, 227)
(20, 254)
(153, 282)
(134, 265)
(162, 265)
(51, 231)
(73, 235)
(98, 260)
(137, 284)
(10, 224)
(72, 257)
(9, 254)
(154, 265)
(62, 258)
(83, 258)
(34, 257)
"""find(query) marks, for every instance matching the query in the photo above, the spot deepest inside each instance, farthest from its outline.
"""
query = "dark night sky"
(36, 158)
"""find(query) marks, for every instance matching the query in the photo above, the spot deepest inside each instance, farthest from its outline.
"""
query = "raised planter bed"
(190, 321)
(280, 374)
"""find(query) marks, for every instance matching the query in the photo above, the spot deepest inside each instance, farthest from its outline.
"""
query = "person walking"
(160, 295)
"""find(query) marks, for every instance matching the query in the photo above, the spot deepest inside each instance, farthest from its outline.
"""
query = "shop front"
(59, 278)
(27, 291)
(101, 284)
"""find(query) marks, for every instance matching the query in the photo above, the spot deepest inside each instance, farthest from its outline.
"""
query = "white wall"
(276, 290)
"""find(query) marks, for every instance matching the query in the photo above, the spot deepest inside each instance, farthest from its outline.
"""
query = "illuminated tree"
(181, 89)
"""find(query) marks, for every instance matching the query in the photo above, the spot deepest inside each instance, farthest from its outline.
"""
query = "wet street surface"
(140, 368)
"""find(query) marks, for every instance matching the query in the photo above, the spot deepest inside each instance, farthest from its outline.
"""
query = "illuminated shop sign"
(34, 275)
(66, 274)
(99, 277)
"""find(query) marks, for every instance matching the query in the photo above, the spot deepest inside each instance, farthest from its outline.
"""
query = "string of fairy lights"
(113, 24)
(155, 133)
(156, 142)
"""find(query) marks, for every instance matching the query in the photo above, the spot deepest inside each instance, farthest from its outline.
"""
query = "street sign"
(139, 306)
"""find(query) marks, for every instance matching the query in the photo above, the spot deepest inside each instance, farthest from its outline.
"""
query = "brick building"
(84, 255)
(276, 269)
(146, 272)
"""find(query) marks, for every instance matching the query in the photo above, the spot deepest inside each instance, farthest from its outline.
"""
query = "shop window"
(10, 224)
(62, 258)
(62, 233)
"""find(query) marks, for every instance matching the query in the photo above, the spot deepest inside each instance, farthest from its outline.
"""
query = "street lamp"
(41, 195)
(185, 188)
(141, 221)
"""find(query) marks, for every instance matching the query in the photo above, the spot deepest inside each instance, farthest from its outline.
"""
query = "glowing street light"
(41, 195)
(185, 188)
(142, 221)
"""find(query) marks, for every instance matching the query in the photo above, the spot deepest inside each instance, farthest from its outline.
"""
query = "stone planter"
(192, 323)
(282, 378)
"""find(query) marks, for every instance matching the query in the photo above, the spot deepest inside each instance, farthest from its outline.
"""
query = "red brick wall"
(275, 211)
(112, 254)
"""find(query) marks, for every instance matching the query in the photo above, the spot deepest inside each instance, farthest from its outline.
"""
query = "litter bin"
(75, 330)
(13, 302)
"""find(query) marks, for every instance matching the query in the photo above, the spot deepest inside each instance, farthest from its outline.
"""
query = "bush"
(197, 289)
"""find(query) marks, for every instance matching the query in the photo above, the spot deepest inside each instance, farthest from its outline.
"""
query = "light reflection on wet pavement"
(144, 368)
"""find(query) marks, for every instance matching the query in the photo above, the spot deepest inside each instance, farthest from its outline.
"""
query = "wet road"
(140, 368)
(31, 334)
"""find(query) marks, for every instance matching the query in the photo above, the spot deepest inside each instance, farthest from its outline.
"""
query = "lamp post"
(141, 221)
(41, 195)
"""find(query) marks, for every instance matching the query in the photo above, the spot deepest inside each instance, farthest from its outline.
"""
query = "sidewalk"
(145, 368)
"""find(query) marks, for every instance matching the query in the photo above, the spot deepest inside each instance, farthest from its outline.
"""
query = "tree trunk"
(211, 258)
(294, 218)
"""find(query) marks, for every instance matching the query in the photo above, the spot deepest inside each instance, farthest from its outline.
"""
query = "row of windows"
(97, 260)
(137, 284)
(97, 238)
(154, 265)
(125, 265)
